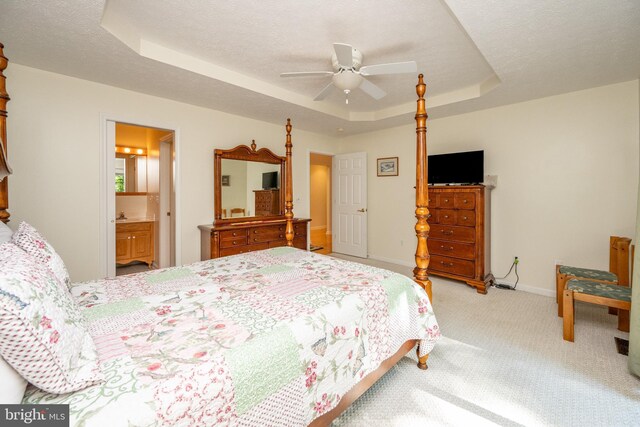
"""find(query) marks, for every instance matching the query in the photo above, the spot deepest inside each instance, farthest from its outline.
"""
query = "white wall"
(54, 140)
(567, 171)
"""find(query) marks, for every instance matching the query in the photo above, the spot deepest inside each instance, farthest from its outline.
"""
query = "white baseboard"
(532, 289)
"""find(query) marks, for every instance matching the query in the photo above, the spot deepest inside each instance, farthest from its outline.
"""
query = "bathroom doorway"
(140, 183)
(320, 202)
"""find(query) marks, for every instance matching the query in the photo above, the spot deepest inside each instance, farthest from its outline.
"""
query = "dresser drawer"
(459, 267)
(432, 200)
(451, 249)
(243, 249)
(230, 243)
(466, 218)
(445, 200)
(434, 216)
(464, 201)
(447, 216)
(233, 234)
(266, 237)
(134, 226)
(453, 233)
(273, 229)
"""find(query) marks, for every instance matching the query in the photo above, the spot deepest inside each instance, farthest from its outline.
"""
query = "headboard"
(4, 98)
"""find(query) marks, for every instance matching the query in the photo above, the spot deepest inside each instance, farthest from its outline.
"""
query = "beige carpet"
(502, 361)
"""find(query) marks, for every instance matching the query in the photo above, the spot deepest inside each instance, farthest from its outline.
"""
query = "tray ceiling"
(228, 55)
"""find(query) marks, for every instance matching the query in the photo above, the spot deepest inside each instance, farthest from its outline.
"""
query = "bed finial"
(253, 145)
(4, 98)
(422, 192)
(288, 202)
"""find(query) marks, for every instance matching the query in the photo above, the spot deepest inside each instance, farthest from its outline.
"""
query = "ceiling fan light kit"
(348, 75)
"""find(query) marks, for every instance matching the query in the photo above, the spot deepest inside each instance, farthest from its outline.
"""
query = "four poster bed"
(272, 337)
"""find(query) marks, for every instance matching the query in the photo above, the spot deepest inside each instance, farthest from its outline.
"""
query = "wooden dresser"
(460, 239)
(267, 202)
(135, 242)
(241, 237)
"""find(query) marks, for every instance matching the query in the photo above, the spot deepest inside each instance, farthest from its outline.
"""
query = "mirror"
(248, 184)
(130, 173)
(249, 188)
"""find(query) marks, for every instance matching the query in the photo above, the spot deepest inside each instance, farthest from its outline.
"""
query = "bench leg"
(613, 310)
(561, 281)
(557, 283)
(623, 320)
(567, 320)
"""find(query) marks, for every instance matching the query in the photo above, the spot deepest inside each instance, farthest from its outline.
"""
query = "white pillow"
(13, 385)
(5, 233)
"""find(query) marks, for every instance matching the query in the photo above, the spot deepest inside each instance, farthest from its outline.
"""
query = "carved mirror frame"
(243, 152)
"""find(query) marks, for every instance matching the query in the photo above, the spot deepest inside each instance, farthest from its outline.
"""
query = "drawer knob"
(446, 216)
(281, 236)
(134, 237)
(447, 232)
(428, 216)
(235, 243)
(255, 239)
(128, 237)
(446, 200)
(234, 234)
(464, 218)
(255, 231)
(464, 201)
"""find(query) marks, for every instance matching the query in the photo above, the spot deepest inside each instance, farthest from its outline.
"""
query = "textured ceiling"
(228, 55)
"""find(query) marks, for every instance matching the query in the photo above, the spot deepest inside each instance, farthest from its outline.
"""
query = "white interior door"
(349, 223)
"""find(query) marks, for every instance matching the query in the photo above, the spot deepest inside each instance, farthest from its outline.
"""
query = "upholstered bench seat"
(606, 290)
(587, 273)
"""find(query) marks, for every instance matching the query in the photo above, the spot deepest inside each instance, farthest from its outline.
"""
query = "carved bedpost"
(4, 98)
(288, 203)
(422, 192)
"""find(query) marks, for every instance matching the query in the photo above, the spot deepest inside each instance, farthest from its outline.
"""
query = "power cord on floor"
(514, 266)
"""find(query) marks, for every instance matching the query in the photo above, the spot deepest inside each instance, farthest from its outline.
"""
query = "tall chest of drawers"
(460, 238)
(267, 202)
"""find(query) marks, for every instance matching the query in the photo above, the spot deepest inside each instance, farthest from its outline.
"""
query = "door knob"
(362, 210)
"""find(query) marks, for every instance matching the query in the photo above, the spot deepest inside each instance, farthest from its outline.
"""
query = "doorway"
(140, 198)
(320, 204)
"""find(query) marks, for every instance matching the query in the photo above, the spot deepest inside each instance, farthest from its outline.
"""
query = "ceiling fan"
(349, 75)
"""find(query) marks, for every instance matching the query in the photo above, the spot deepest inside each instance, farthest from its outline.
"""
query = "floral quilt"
(273, 337)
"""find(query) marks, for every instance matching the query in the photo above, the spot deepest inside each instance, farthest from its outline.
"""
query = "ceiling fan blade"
(372, 90)
(308, 74)
(324, 92)
(344, 53)
(392, 68)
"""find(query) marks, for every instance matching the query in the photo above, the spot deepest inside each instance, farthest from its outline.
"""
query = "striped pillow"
(42, 332)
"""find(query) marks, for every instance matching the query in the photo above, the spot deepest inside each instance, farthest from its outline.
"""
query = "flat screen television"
(269, 180)
(456, 168)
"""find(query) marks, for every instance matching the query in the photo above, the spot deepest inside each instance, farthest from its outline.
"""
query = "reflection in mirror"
(131, 173)
(250, 188)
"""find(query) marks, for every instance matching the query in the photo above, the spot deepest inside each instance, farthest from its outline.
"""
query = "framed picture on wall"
(388, 166)
(226, 182)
